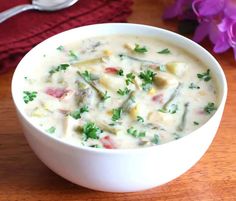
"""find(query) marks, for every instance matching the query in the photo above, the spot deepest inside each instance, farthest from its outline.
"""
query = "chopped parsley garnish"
(140, 119)
(130, 78)
(59, 68)
(29, 96)
(116, 114)
(164, 51)
(162, 68)
(210, 107)
(147, 77)
(90, 130)
(105, 96)
(193, 86)
(87, 76)
(77, 113)
(132, 131)
(140, 49)
(73, 55)
(120, 72)
(123, 92)
(172, 109)
(61, 48)
(51, 130)
(155, 139)
(205, 76)
(195, 123)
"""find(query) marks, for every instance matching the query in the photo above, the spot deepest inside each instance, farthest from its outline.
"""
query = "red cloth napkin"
(23, 31)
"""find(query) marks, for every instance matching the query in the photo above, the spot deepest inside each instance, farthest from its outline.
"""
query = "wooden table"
(24, 177)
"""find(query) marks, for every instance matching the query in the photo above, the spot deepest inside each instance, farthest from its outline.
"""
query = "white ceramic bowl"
(119, 170)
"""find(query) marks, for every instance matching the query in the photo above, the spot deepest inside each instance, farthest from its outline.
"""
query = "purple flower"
(216, 18)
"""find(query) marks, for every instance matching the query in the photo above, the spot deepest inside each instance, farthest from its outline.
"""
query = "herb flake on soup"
(119, 92)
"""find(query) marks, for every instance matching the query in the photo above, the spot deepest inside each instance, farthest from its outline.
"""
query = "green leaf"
(59, 68)
(193, 86)
(155, 139)
(205, 76)
(195, 123)
(135, 133)
(116, 114)
(87, 76)
(120, 72)
(90, 130)
(164, 51)
(73, 55)
(77, 113)
(172, 109)
(210, 107)
(147, 77)
(61, 48)
(140, 49)
(140, 119)
(105, 96)
(51, 130)
(123, 92)
(29, 96)
(130, 78)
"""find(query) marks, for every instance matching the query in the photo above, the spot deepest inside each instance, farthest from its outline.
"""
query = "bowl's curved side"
(120, 170)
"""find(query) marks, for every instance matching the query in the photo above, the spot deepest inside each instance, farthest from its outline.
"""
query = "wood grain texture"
(24, 178)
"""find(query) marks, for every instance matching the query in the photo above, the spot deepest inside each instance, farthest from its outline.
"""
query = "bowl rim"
(123, 150)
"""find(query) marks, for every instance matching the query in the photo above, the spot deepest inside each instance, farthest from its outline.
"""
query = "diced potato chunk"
(129, 46)
(134, 112)
(165, 80)
(111, 82)
(160, 117)
(107, 52)
(177, 68)
(39, 112)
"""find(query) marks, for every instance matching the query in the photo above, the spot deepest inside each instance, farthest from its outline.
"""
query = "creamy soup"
(119, 92)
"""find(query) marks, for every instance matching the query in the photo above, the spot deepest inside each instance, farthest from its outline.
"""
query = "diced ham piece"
(107, 142)
(57, 92)
(158, 98)
(111, 70)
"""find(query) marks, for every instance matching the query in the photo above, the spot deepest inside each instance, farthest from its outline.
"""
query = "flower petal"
(230, 9)
(222, 44)
(201, 31)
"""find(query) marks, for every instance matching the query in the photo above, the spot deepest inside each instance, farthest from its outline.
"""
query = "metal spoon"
(41, 5)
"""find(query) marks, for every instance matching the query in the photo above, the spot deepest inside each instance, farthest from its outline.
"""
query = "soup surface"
(119, 91)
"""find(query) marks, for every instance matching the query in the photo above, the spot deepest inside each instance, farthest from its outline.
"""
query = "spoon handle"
(14, 11)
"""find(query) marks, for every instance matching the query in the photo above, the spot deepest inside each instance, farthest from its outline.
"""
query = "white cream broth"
(119, 92)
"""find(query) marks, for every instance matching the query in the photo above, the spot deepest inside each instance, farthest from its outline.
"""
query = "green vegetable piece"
(147, 77)
(116, 114)
(120, 72)
(105, 96)
(135, 133)
(210, 107)
(59, 68)
(195, 123)
(87, 76)
(140, 119)
(155, 139)
(123, 92)
(77, 113)
(172, 109)
(61, 48)
(90, 130)
(164, 51)
(73, 55)
(193, 86)
(51, 130)
(162, 68)
(140, 49)
(29, 96)
(130, 78)
(205, 76)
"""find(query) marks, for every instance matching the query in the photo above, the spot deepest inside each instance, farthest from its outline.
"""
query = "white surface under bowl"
(119, 170)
